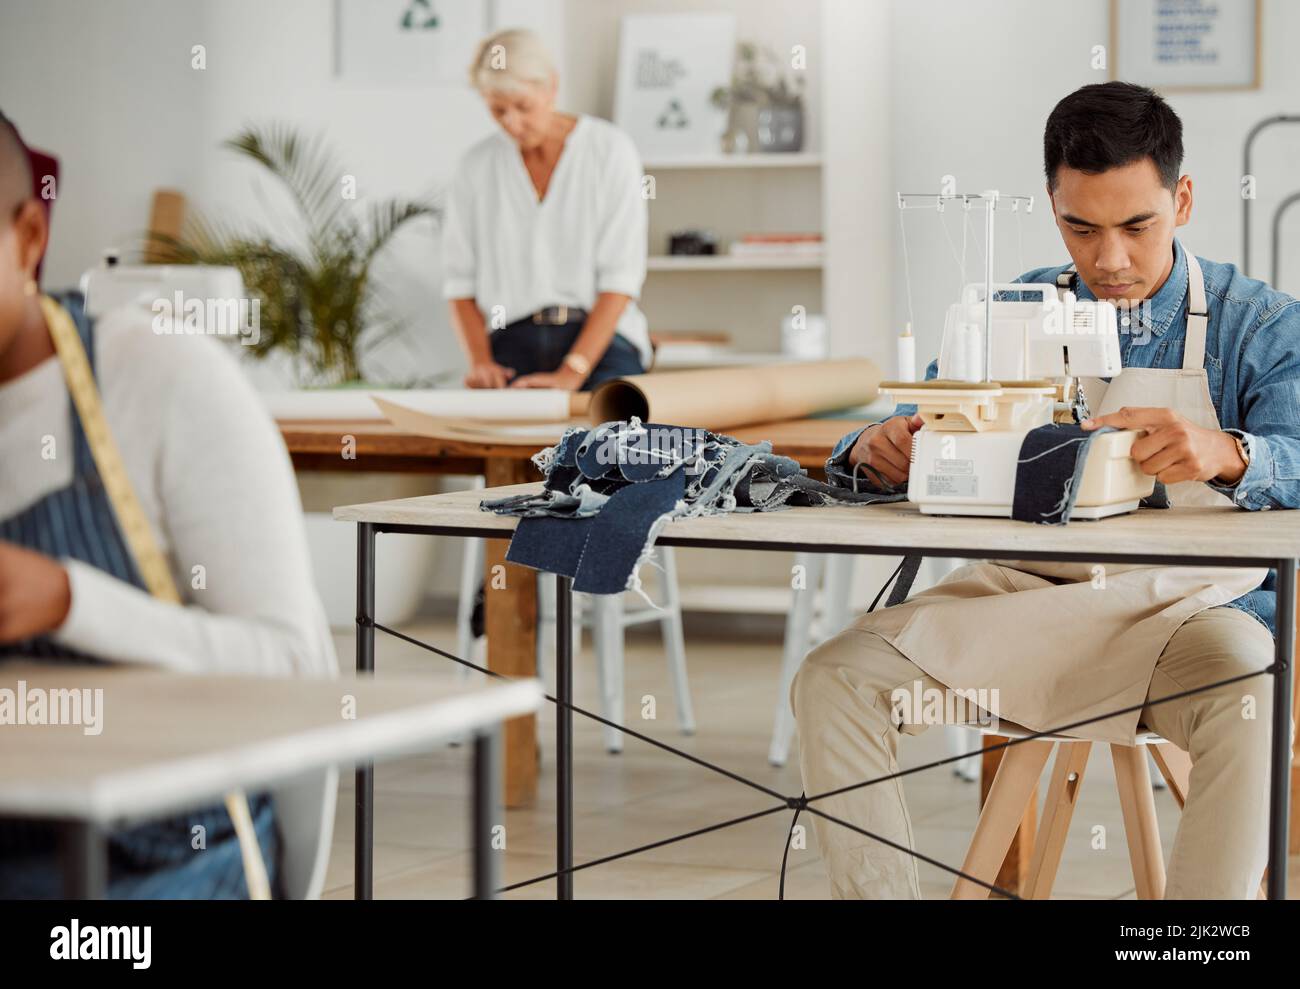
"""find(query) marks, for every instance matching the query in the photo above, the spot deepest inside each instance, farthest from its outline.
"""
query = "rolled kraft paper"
(724, 398)
(494, 404)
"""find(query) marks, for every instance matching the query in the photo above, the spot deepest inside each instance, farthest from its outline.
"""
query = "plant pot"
(780, 127)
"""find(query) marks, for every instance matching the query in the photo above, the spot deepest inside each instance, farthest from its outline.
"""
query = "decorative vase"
(780, 127)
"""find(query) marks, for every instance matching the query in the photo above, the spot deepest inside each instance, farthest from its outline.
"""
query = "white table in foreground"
(171, 742)
(1212, 536)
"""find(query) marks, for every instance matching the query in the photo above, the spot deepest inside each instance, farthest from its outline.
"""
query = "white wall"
(109, 90)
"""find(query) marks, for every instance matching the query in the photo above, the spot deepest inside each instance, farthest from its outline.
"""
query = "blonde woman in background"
(544, 237)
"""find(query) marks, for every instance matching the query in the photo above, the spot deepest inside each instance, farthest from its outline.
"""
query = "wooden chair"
(1012, 795)
(1013, 791)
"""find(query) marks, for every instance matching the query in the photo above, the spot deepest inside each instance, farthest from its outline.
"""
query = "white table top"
(172, 742)
(1220, 532)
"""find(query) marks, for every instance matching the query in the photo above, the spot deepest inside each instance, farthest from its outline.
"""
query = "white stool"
(1013, 788)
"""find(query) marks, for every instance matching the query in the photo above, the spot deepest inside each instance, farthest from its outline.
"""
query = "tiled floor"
(644, 795)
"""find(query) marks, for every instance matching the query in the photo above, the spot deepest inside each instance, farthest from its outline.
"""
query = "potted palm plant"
(317, 295)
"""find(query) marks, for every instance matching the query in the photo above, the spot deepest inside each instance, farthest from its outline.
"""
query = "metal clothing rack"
(1246, 201)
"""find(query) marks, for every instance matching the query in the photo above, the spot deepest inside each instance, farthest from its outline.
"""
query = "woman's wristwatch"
(578, 364)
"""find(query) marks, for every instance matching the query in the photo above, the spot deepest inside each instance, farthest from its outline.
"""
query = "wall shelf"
(775, 159)
(726, 262)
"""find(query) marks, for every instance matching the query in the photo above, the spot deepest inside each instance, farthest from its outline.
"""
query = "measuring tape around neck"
(139, 537)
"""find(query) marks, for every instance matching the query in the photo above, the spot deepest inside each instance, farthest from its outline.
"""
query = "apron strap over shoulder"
(1197, 317)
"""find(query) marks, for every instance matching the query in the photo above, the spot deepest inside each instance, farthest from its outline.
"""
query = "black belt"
(558, 315)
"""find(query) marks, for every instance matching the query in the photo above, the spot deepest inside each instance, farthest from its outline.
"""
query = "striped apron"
(154, 860)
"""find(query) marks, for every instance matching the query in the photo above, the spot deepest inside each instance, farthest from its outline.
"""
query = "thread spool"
(907, 355)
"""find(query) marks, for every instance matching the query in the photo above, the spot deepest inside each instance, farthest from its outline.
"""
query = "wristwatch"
(1241, 452)
(578, 364)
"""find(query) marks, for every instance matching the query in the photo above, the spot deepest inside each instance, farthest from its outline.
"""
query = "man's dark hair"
(15, 169)
(1109, 125)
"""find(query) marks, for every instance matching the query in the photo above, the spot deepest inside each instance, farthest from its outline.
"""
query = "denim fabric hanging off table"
(608, 492)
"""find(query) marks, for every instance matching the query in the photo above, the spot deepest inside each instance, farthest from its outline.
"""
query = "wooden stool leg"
(1062, 795)
(1175, 766)
(1133, 780)
(1014, 874)
(1012, 789)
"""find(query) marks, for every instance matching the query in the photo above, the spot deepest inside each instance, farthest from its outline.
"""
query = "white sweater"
(215, 481)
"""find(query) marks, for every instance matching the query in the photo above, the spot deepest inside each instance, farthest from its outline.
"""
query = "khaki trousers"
(843, 702)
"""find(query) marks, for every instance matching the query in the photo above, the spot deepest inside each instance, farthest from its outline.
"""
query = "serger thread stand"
(992, 200)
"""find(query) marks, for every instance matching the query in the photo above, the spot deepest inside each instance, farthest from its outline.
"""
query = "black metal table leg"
(1280, 781)
(564, 736)
(85, 860)
(364, 837)
(486, 790)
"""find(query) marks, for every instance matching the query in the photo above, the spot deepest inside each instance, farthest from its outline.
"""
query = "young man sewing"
(1212, 377)
(218, 493)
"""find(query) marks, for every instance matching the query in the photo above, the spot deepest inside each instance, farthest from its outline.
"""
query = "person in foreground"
(1212, 377)
(215, 485)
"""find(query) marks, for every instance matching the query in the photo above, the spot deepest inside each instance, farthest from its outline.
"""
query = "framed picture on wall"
(668, 67)
(1186, 44)
(408, 42)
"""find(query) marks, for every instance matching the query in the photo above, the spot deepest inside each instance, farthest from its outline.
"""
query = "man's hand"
(34, 593)
(1174, 449)
(887, 447)
(563, 379)
(489, 375)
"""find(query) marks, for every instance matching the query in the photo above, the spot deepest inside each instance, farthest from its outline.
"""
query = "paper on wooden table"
(530, 433)
(492, 404)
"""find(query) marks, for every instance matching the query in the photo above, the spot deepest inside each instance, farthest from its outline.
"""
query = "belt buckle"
(563, 313)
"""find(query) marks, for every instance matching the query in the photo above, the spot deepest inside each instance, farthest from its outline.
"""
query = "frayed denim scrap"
(1050, 469)
(608, 492)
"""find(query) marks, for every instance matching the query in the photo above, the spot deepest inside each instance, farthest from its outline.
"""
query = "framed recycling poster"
(668, 68)
(1186, 44)
(408, 42)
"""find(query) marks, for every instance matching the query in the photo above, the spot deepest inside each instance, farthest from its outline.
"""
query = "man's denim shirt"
(1252, 360)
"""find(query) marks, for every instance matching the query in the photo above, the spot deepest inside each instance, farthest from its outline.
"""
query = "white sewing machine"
(992, 390)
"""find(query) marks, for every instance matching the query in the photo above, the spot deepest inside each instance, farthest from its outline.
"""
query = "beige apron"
(1064, 642)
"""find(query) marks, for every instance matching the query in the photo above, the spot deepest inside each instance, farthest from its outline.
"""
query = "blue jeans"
(32, 871)
(532, 348)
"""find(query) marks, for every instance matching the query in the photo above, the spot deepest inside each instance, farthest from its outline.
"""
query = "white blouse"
(514, 255)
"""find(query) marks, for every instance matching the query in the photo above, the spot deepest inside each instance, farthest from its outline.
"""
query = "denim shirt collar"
(1167, 303)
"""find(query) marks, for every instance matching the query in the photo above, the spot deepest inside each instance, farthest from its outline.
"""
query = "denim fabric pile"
(608, 492)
